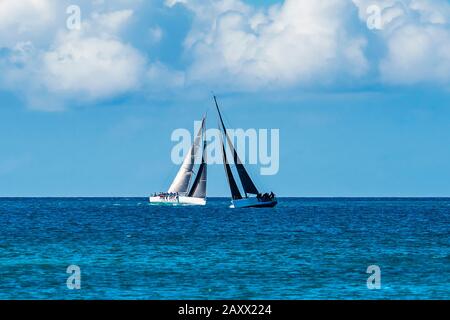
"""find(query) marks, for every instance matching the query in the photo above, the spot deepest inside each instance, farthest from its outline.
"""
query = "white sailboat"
(252, 198)
(181, 192)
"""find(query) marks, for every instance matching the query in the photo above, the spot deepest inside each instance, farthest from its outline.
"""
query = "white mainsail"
(181, 182)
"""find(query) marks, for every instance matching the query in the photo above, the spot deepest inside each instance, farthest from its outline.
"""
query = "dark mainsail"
(198, 189)
(235, 193)
(247, 183)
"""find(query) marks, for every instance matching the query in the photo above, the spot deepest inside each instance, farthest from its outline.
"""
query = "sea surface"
(303, 249)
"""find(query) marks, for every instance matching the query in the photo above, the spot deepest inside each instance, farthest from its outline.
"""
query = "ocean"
(303, 249)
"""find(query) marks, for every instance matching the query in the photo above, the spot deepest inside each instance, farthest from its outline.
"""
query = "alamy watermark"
(254, 147)
(73, 21)
(74, 280)
(374, 280)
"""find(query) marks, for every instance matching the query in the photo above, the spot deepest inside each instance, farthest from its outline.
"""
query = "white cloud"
(87, 65)
(417, 40)
(432, 11)
(93, 63)
(24, 20)
(299, 42)
(80, 66)
(171, 3)
(231, 45)
(417, 54)
(92, 67)
(109, 23)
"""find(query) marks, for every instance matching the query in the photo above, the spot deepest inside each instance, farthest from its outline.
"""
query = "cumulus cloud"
(109, 23)
(24, 20)
(93, 62)
(89, 64)
(231, 45)
(78, 66)
(299, 42)
(417, 40)
(417, 54)
(432, 11)
(93, 67)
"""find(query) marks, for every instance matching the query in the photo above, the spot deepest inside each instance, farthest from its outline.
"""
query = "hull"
(178, 201)
(253, 203)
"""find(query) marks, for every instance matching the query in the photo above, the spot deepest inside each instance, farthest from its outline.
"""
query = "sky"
(359, 89)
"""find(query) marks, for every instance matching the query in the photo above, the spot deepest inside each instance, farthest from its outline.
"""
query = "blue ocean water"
(303, 249)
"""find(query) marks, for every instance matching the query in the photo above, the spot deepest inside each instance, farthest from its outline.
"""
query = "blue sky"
(90, 112)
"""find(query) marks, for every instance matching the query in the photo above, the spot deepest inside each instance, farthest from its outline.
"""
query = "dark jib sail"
(235, 194)
(198, 189)
(247, 183)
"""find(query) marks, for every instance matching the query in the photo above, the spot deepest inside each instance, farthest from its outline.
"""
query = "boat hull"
(253, 203)
(178, 201)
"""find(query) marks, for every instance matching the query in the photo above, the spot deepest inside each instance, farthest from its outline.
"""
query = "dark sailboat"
(252, 198)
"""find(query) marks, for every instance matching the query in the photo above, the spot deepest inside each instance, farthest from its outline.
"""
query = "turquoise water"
(303, 249)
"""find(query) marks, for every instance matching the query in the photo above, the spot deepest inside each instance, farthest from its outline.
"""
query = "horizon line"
(222, 197)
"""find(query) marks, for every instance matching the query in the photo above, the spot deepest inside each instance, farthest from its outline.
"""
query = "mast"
(235, 193)
(198, 189)
(182, 180)
(247, 183)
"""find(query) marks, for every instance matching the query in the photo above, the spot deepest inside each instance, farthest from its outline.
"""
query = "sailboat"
(252, 198)
(181, 192)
